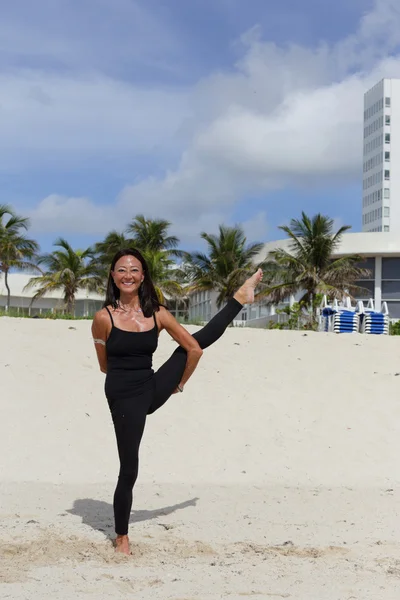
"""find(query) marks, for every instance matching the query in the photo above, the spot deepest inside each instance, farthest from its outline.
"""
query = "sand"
(275, 475)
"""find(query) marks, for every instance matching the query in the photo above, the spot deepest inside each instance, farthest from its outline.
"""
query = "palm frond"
(310, 267)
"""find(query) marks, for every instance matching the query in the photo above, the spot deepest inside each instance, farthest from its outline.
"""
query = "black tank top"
(131, 350)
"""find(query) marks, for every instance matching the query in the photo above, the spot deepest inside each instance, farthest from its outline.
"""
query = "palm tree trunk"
(71, 305)
(8, 288)
(313, 309)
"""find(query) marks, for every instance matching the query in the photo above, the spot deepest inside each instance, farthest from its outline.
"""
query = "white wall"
(86, 303)
(373, 181)
(392, 87)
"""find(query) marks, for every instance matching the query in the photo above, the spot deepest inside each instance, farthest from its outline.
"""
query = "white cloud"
(78, 215)
(256, 227)
(284, 115)
(71, 120)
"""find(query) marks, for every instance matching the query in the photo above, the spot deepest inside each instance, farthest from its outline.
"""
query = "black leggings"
(129, 414)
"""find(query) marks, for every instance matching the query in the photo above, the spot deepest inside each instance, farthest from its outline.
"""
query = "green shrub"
(394, 328)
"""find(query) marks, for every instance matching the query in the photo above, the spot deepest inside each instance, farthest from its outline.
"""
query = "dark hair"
(148, 298)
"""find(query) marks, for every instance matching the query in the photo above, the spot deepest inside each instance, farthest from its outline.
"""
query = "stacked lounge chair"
(339, 318)
(346, 321)
(344, 318)
(373, 322)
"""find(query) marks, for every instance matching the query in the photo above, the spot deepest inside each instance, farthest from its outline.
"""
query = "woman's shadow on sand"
(99, 515)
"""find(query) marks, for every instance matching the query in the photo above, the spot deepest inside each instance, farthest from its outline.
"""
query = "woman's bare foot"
(245, 294)
(122, 544)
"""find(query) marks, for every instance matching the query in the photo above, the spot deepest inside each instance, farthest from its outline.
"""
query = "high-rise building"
(381, 157)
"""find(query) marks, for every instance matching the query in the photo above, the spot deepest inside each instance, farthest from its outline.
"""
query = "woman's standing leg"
(169, 374)
(129, 418)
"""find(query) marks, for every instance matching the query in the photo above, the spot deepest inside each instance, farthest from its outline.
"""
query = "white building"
(381, 157)
(87, 303)
(382, 254)
(381, 250)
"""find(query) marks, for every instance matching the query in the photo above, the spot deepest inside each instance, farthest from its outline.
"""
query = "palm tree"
(112, 243)
(17, 251)
(229, 260)
(152, 235)
(67, 270)
(309, 266)
(164, 274)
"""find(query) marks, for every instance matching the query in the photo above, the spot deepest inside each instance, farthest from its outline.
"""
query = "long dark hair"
(149, 301)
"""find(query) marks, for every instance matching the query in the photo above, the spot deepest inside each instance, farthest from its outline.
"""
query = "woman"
(125, 333)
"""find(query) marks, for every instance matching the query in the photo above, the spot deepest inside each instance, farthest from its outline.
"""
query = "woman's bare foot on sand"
(122, 544)
(245, 294)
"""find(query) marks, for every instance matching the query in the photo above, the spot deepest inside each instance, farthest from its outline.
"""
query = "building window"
(386, 211)
(366, 289)
(386, 228)
(387, 138)
(386, 193)
(391, 290)
(387, 156)
(387, 119)
(390, 268)
(387, 175)
(387, 101)
(394, 310)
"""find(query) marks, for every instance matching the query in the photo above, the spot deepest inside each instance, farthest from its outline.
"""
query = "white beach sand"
(275, 475)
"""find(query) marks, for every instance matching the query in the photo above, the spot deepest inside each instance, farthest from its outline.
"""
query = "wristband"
(179, 388)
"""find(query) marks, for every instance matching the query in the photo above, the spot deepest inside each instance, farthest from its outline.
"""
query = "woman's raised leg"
(170, 373)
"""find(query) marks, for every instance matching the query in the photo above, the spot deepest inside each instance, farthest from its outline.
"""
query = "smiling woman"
(125, 333)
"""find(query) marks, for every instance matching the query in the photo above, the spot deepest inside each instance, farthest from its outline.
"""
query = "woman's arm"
(100, 333)
(184, 339)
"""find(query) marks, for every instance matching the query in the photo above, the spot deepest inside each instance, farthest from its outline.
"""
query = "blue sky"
(198, 111)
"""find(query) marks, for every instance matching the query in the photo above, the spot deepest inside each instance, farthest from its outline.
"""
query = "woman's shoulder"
(162, 311)
(103, 314)
(161, 315)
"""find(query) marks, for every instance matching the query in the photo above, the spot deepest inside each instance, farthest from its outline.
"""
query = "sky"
(201, 112)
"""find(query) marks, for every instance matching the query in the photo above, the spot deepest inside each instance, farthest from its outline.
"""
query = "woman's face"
(128, 274)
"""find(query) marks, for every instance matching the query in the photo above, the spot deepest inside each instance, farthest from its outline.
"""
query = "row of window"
(375, 108)
(390, 267)
(377, 124)
(198, 297)
(375, 214)
(377, 142)
(374, 126)
(200, 311)
(390, 289)
(385, 228)
(375, 161)
(376, 178)
(376, 197)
